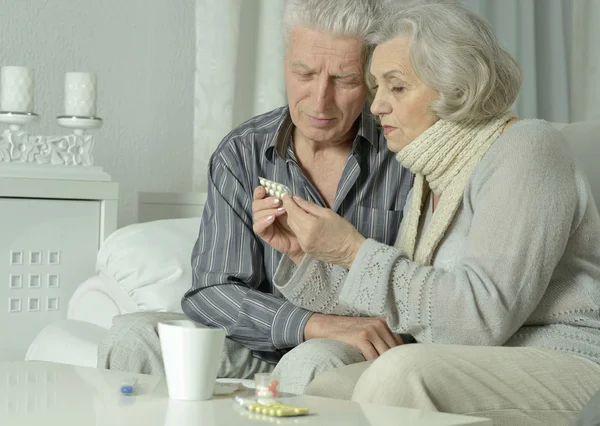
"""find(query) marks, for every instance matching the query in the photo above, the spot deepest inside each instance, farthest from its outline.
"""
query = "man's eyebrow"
(347, 74)
(302, 65)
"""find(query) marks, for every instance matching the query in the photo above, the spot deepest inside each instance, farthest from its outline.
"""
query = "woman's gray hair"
(345, 18)
(455, 52)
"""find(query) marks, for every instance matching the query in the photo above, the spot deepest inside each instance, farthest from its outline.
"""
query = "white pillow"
(151, 261)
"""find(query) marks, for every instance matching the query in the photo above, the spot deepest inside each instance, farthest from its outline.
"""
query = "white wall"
(143, 54)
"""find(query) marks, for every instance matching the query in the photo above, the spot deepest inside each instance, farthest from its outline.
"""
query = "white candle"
(80, 94)
(17, 89)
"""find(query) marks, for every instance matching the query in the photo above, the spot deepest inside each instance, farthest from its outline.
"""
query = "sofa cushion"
(584, 140)
(68, 342)
(151, 261)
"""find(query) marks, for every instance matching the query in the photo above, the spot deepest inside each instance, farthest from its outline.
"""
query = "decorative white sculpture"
(16, 145)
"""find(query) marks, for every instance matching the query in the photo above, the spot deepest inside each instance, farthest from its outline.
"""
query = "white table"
(41, 393)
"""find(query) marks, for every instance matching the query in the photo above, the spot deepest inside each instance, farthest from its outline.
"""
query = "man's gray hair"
(345, 18)
(455, 52)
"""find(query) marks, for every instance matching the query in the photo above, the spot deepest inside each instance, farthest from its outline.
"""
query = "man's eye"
(398, 89)
(349, 83)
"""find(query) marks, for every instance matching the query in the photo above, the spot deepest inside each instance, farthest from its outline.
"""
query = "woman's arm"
(523, 198)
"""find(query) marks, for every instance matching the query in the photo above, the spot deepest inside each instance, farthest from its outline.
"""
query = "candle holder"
(60, 157)
(68, 155)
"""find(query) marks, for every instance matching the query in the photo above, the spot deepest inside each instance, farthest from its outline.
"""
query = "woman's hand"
(321, 232)
(270, 224)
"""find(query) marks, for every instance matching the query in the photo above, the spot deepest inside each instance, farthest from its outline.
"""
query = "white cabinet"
(50, 232)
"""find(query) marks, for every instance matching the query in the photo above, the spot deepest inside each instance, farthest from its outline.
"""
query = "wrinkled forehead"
(391, 58)
(311, 45)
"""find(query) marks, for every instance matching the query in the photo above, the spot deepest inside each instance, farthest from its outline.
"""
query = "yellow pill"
(287, 411)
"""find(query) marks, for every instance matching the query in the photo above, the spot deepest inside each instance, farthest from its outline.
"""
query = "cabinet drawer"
(47, 248)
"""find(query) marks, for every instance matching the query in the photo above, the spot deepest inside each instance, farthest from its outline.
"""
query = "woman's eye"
(398, 89)
(374, 88)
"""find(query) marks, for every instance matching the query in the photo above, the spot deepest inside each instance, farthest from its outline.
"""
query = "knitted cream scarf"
(444, 155)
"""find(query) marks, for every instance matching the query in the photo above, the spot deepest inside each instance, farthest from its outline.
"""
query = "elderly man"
(326, 148)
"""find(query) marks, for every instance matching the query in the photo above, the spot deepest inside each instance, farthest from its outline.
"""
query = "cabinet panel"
(47, 248)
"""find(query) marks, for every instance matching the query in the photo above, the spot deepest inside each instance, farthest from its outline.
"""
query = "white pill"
(278, 194)
(262, 181)
(280, 187)
(271, 191)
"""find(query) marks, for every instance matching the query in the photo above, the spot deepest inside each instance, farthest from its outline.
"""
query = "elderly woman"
(496, 271)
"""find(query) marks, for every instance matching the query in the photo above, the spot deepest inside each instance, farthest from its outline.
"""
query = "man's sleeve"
(228, 269)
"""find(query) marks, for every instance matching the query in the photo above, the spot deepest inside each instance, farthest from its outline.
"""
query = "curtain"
(585, 64)
(239, 70)
(538, 35)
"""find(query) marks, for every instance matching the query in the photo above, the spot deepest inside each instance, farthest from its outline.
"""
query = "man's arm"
(228, 270)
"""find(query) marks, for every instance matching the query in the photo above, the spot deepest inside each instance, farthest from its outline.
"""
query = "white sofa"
(146, 267)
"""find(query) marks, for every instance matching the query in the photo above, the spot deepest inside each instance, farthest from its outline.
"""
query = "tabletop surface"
(49, 394)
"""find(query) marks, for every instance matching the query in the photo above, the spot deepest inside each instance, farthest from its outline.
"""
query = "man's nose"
(324, 94)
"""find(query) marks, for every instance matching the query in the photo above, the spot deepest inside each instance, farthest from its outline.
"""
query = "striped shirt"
(233, 267)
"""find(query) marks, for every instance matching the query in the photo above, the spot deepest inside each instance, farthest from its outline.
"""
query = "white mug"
(191, 356)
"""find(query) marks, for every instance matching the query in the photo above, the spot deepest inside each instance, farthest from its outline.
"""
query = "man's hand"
(270, 224)
(371, 336)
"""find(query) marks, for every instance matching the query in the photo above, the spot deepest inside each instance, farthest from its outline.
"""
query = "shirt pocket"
(380, 225)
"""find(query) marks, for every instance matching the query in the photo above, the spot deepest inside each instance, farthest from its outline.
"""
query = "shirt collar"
(280, 142)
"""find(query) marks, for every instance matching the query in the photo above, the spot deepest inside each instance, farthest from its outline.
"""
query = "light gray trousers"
(133, 345)
(514, 386)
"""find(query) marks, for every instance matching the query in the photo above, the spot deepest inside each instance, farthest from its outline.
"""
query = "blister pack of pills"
(273, 409)
(274, 189)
